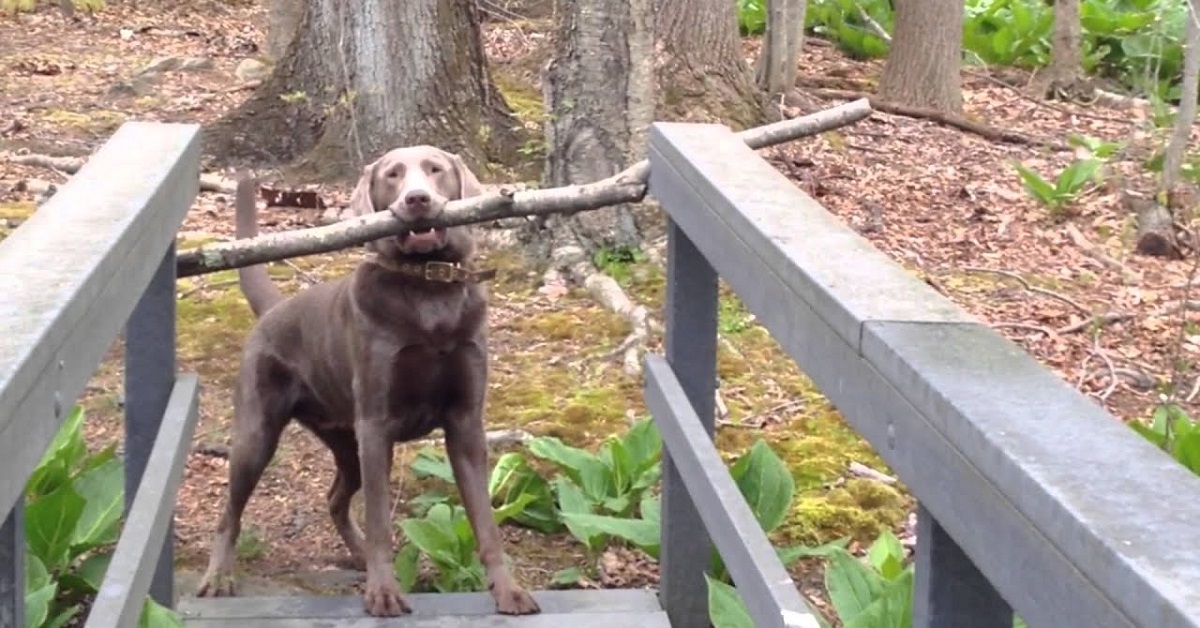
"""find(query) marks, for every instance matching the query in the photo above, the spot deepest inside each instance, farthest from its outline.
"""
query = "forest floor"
(945, 203)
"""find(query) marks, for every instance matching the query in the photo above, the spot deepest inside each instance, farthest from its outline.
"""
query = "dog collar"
(442, 272)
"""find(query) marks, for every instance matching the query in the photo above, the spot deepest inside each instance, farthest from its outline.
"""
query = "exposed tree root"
(985, 131)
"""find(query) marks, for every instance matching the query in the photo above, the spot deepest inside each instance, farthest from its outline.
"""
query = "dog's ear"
(361, 202)
(468, 183)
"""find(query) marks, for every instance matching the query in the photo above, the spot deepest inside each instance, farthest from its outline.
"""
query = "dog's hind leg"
(257, 425)
(344, 446)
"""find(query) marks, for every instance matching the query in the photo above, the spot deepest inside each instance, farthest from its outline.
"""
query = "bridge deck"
(560, 609)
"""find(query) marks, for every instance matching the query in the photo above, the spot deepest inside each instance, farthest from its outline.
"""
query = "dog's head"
(416, 182)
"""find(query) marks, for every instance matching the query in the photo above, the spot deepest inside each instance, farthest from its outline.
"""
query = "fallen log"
(1155, 228)
(628, 186)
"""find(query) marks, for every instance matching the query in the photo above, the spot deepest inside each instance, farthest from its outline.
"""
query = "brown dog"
(387, 354)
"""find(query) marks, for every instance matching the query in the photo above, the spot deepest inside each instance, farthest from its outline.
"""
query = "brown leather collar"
(442, 272)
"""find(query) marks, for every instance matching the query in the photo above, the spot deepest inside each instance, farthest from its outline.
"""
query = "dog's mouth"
(423, 240)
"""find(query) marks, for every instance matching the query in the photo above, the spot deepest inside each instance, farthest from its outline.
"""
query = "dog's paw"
(515, 600)
(217, 585)
(384, 599)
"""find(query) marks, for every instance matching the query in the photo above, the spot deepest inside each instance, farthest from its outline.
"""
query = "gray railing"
(99, 256)
(1032, 497)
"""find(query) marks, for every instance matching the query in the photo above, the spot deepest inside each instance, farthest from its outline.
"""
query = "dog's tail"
(256, 284)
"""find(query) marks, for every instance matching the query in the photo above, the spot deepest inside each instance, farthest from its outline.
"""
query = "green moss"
(860, 509)
(525, 101)
(17, 211)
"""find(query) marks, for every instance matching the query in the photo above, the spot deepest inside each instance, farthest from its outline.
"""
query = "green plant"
(445, 537)
(1173, 431)
(610, 481)
(73, 504)
(1069, 184)
(518, 493)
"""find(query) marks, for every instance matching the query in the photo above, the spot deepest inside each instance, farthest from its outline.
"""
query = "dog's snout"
(417, 198)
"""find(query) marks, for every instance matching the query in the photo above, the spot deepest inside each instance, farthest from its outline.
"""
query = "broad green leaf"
(91, 571)
(1187, 451)
(50, 523)
(435, 541)
(431, 463)
(568, 459)
(644, 444)
(725, 606)
(568, 577)
(571, 501)
(103, 490)
(852, 585)
(1038, 188)
(766, 484)
(37, 605)
(887, 555)
(63, 617)
(789, 555)
(619, 467)
(644, 535)
(891, 608)
(1072, 179)
(513, 478)
(65, 452)
(513, 508)
(1159, 440)
(36, 575)
(407, 566)
(510, 470)
(155, 615)
(651, 508)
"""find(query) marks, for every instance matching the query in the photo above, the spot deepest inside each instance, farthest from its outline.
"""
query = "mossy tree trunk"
(702, 75)
(922, 69)
(600, 90)
(362, 76)
(1065, 72)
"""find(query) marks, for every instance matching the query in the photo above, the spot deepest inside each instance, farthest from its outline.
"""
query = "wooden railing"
(99, 256)
(1032, 497)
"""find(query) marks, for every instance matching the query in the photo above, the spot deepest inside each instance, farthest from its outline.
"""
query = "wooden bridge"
(1032, 498)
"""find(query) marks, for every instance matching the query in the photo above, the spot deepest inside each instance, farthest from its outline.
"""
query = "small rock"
(251, 70)
(196, 64)
(161, 64)
(137, 86)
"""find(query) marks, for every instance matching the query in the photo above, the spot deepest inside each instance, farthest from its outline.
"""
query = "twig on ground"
(863, 471)
(628, 186)
(985, 131)
(1026, 326)
(71, 165)
(1030, 288)
(1094, 251)
(1102, 320)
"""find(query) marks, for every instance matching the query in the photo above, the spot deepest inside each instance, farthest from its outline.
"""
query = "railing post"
(12, 567)
(950, 590)
(149, 378)
(691, 350)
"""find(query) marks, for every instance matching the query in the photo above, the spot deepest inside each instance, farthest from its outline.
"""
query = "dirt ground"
(945, 203)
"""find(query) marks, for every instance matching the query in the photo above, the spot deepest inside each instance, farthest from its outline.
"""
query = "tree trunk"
(600, 88)
(922, 69)
(1181, 133)
(775, 71)
(283, 22)
(363, 76)
(702, 75)
(1065, 72)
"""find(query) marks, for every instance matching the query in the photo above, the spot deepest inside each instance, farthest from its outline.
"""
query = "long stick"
(628, 186)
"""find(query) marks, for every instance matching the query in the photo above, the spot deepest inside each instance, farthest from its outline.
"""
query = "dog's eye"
(435, 169)
(393, 174)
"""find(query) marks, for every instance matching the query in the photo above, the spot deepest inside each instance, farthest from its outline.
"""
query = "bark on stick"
(628, 186)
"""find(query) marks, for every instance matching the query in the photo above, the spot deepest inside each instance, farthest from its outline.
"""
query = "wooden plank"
(1005, 455)
(691, 349)
(119, 601)
(71, 274)
(557, 602)
(573, 620)
(765, 585)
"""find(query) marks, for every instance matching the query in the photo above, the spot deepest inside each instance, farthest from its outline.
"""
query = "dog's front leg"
(466, 446)
(382, 597)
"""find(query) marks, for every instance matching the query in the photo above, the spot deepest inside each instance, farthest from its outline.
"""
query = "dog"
(387, 354)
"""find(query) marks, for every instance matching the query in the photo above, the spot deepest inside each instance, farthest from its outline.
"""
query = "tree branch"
(628, 186)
